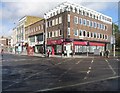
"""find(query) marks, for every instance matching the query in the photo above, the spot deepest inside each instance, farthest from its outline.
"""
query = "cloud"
(13, 10)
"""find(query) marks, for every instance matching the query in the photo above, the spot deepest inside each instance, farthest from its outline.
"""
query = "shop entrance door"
(68, 49)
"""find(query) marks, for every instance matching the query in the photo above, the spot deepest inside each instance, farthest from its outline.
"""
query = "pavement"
(59, 56)
(32, 74)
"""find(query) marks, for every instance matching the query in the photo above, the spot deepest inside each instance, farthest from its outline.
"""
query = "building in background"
(76, 29)
(23, 22)
(34, 33)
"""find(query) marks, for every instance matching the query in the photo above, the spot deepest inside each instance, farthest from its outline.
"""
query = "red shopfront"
(55, 46)
(84, 46)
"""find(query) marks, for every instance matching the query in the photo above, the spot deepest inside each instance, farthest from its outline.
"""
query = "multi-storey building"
(23, 22)
(76, 29)
(35, 35)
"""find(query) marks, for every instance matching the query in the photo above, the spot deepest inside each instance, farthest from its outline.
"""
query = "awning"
(96, 44)
(79, 43)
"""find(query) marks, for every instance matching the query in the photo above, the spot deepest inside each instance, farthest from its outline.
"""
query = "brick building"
(76, 29)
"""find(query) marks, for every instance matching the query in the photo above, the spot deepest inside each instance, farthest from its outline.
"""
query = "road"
(37, 74)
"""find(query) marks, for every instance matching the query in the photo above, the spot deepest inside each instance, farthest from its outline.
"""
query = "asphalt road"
(37, 74)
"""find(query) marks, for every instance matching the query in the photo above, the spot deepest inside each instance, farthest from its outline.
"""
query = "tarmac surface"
(39, 74)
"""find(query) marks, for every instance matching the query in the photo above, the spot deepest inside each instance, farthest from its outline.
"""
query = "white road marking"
(117, 59)
(33, 75)
(88, 71)
(78, 84)
(89, 67)
(110, 67)
(85, 77)
(92, 61)
(78, 62)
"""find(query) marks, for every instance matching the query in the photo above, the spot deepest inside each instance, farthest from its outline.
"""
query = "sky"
(13, 10)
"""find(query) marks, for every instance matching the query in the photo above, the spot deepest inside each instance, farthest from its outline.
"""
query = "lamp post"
(45, 34)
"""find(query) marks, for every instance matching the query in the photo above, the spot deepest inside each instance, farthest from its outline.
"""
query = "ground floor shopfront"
(75, 47)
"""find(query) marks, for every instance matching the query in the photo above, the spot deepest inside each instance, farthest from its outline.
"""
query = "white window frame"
(75, 19)
(88, 21)
(76, 30)
(68, 31)
(85, 22)
(60, 20)
(80, 19)
(68, 17)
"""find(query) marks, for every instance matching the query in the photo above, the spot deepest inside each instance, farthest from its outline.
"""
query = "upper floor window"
(84, 21)
(68, 17)
(84, 33)
(75, 20)
(76, 32)
(91, 23)
(56, 22)
(88, 23)
(81, 33)
(68, 31)
(60, 32)
(60, 20)
(80, 20)
(94, 24)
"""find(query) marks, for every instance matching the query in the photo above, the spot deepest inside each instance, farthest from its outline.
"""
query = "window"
(48, 23)
(105, 27)
(95, 35)
(48, 35)
(80, 21)
(60, 32)
(91, 23)
(56, 33)
(81, 33)
(88, 23)
(106, 36)
(84, 33)
(53, 34)
(94, 24)
(76, 32)
(68, 31)
(91, 34)
(53, 22)
(75, 20)
(98, 25)
(88, 34)
(98, 35)
(56, 21)
(60, 20)
(68, 24)
(84, 21)
(68, 17)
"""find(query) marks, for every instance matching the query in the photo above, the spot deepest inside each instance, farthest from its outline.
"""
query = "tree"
(116, 33)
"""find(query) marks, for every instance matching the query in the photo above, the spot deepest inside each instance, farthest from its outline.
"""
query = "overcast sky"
(12, 10)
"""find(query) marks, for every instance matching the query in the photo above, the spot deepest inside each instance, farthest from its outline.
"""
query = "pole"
(45, 35)
(114, 50)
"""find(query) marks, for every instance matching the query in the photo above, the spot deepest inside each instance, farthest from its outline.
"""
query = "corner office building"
(74, 28)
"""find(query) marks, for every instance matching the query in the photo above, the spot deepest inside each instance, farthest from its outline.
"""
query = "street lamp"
(45, 34)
